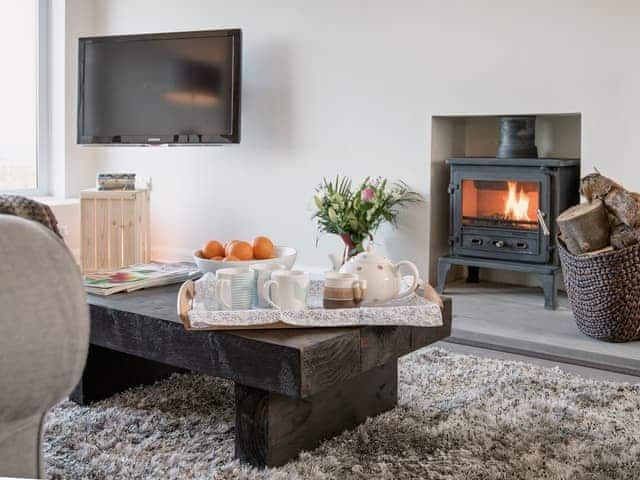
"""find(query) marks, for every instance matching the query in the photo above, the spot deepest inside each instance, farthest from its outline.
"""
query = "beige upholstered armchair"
(44, 334)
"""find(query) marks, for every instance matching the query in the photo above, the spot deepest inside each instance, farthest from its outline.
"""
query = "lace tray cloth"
(412, 310)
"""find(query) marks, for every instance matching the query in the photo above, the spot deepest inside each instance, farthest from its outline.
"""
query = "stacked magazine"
(137, 277)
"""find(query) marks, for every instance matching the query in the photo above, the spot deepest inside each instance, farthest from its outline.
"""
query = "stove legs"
(550, 288)
(546, 273)
(473, 274)
(443, 270)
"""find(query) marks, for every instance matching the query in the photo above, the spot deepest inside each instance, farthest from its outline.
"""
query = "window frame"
(42, 105)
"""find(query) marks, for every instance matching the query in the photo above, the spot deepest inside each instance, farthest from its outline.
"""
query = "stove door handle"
(543, 223)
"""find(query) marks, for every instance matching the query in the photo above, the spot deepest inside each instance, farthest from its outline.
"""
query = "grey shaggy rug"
(459, 417)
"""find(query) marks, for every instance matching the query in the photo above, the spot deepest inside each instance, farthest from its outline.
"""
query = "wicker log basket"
(604, 292)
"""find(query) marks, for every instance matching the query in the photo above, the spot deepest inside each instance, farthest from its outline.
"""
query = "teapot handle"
(416, 278)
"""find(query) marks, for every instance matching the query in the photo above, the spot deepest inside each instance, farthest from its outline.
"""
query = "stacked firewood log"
(610, 220)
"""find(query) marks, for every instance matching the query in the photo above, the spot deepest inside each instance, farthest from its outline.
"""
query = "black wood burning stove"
(503, 216)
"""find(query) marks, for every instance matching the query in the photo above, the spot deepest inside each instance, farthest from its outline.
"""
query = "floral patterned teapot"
(382, 276)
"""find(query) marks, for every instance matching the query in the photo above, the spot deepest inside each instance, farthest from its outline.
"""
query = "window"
(23, 102)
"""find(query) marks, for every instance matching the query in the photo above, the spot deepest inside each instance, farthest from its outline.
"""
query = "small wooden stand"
(114, 228)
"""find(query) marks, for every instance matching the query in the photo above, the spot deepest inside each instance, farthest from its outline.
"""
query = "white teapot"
(382, 276)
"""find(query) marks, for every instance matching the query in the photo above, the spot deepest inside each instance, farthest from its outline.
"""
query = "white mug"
(263, 273)
(235, 288)
(287, 289)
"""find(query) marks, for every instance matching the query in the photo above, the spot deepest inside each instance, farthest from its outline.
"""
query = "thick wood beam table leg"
(271, 429)
(108, 372)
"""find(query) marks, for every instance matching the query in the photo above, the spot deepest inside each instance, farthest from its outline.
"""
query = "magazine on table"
(137, 277)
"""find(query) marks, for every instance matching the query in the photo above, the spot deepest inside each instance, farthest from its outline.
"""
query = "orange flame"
(517, 205)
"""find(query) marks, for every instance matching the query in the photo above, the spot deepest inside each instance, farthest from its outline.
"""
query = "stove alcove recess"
(503, 216)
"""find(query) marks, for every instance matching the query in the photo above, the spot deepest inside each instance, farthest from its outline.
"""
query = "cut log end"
(585, 227)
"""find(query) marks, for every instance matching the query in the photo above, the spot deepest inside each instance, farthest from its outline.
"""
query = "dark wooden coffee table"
(294, 387)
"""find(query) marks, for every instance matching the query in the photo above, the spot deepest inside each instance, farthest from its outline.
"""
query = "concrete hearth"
(512, 319)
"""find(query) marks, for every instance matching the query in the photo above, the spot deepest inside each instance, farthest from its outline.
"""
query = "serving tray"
(198, 310)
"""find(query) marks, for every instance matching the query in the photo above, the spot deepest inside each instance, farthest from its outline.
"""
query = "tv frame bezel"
(169, 138)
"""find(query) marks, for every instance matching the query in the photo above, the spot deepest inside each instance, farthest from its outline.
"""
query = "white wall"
(350, 86)
(73, 168)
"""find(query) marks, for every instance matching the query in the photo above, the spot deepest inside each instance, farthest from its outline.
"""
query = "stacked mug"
(235, 288)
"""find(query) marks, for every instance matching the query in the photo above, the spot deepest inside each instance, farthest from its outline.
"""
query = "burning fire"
(517, 204)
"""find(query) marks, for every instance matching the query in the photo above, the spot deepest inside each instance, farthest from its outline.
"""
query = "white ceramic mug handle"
(266, 292)
(219, 293)
(416, 277)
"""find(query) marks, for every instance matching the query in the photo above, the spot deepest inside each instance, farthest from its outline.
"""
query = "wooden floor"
(512, 319)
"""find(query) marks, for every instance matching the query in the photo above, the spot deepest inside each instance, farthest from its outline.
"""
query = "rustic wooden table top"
(294, 362)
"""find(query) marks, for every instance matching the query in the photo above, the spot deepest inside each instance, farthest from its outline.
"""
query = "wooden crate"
(114, 228)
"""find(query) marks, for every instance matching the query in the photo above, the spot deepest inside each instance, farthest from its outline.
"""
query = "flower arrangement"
(355, 215)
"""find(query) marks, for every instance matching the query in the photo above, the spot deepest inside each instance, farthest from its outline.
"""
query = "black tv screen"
(169, 88)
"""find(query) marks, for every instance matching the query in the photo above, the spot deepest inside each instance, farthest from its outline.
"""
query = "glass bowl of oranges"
(238, 253)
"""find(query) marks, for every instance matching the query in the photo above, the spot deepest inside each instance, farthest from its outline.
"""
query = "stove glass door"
(510, 204)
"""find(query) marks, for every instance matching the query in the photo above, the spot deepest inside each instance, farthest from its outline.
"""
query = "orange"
(213, 248)
(217, 258)
(230, 258)
(199, 254)
(241, 250)
(262, 248)
(227, 246)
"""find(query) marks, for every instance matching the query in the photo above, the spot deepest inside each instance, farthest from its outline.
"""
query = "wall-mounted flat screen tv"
(168, 88)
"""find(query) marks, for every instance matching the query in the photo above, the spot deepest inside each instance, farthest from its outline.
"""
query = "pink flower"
(367, 194)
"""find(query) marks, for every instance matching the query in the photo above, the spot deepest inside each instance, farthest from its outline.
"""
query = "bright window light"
(19, 103)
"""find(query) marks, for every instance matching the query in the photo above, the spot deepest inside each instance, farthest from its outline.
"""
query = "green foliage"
(359, 213)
